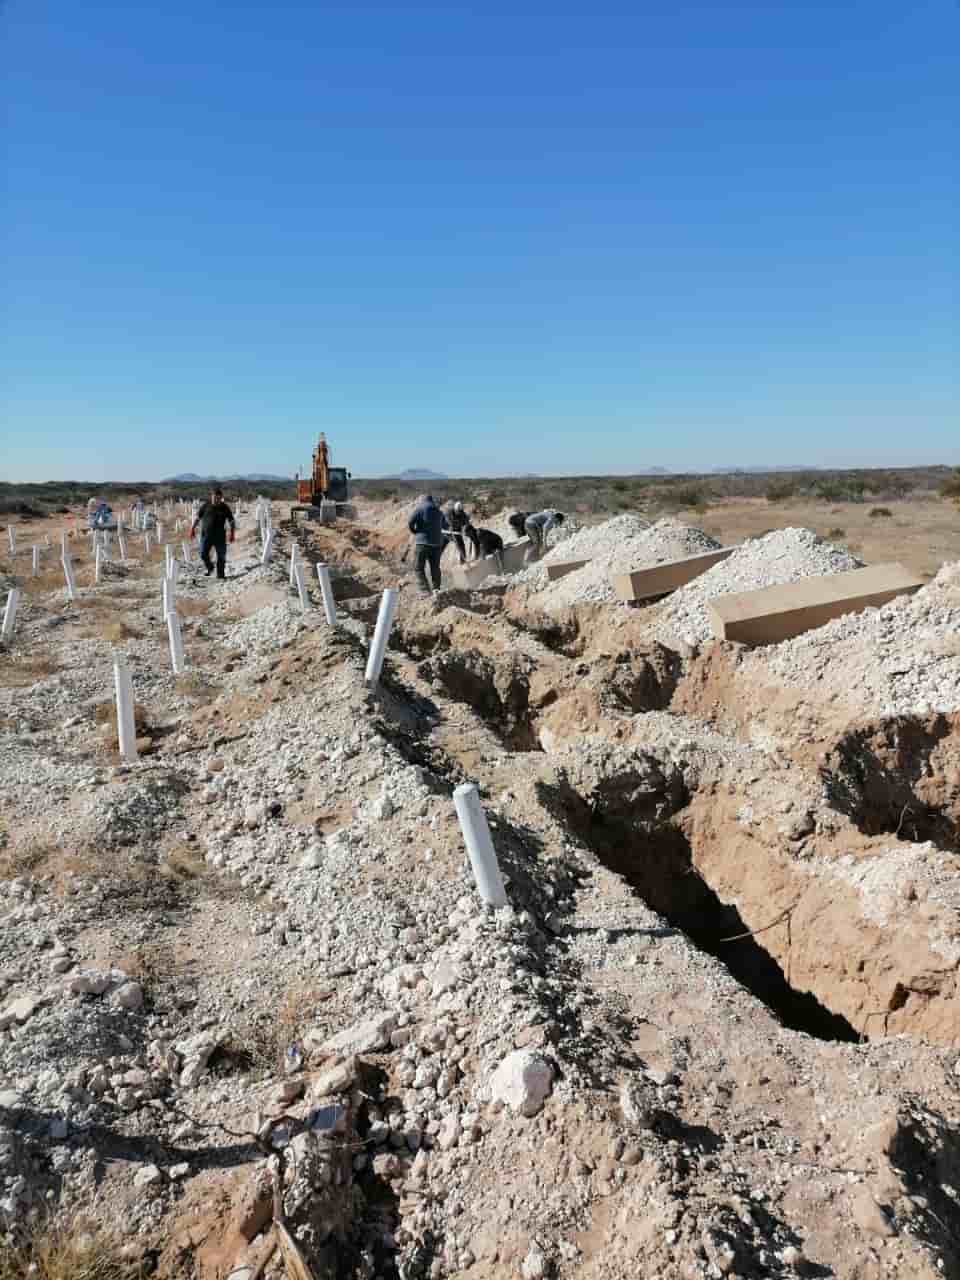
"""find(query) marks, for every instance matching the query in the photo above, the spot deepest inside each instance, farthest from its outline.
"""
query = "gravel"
(901, 659)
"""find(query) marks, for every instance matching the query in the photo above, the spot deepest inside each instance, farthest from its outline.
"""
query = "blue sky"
(481, 238)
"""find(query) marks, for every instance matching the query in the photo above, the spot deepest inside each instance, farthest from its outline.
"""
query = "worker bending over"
(213, 518)
(458, 520)
(536, 527)
(427, 524)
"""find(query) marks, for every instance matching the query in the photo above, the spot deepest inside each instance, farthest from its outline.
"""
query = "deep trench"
(892, 778)
(655, 859)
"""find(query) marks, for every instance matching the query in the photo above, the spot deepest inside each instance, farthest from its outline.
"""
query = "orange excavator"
(326, 494)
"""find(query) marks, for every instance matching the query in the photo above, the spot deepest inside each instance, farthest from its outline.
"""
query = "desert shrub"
(876, 512)
(687, 497)
(951, 486)
(836, 532)
(781, 490)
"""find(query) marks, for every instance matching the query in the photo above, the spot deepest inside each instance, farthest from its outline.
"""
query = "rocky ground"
(255, 1018)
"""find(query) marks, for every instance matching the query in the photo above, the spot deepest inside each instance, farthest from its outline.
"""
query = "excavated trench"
(900, 777)
(828, 963)
(654, 856)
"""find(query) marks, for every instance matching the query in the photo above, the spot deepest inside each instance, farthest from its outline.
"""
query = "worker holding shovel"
(213, 518)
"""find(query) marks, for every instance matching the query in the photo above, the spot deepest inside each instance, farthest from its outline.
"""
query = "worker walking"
(213, 518)
(536, 526)
(427, 524)
(458, 520)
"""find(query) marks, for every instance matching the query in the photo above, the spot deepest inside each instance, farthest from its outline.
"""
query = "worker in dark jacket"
(459, 520)
(213, 518)
(427, 524)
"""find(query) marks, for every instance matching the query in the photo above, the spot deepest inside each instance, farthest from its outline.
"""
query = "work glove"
(233, 535)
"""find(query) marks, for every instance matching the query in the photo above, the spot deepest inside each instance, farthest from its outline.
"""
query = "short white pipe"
(326, 590)
(168, 560)
(121, 543)
(12, 535)
(293, 564)
(159, 533)
(68, 578)
(267, 551)
(378, 646)
(126, 725)
(476, 834)
(96, 563)
(146, 543)
(35, 567)
(10, 613)
(176, 642)
(168, 591)
(301, 587)
(63, 542)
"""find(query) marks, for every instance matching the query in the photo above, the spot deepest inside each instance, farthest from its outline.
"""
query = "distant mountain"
(417, 473)
(759, 471)
(191, 477)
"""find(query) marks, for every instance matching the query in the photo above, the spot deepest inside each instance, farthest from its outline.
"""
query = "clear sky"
(483, 238)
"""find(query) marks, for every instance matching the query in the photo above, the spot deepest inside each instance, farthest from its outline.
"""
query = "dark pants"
(428, 556)
(219, 545)
(459, 544)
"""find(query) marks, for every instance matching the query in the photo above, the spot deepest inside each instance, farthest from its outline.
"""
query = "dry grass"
(113, 632)
(264, 1041)
(188, 607)
(18, 672)
(69, 1251)
(24, 860)
(184, 862)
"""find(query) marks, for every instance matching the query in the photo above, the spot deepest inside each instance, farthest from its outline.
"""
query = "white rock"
(534, 1264)
(147, 1176)
(195, 1052)
(522, 1081)
(90, 982)
(20, 1010)
(129, 995)
(363, 1037)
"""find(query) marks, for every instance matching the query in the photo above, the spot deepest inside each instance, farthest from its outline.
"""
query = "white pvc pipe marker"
(35, 567)
(126, 726)
(186, 552)
(301, 587)
(10, 613)
(476, 834)
(68, 578)
(121, 543)
(168, 591)
(378, 646)
(293, 563)
(267, 548)
(176, 642)
(12, 534)
(326, 590)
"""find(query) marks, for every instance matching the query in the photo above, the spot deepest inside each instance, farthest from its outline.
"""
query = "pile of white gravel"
(619, 545)
(785, 555)
(900, 660)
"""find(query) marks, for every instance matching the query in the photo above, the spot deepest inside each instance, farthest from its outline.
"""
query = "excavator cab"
(327, 493)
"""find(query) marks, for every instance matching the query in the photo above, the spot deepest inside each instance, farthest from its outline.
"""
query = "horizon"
(478, 241)
(659, 472)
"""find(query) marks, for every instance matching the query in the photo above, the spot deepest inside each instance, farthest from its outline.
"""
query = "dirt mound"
(785, 555)
(617, 546)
